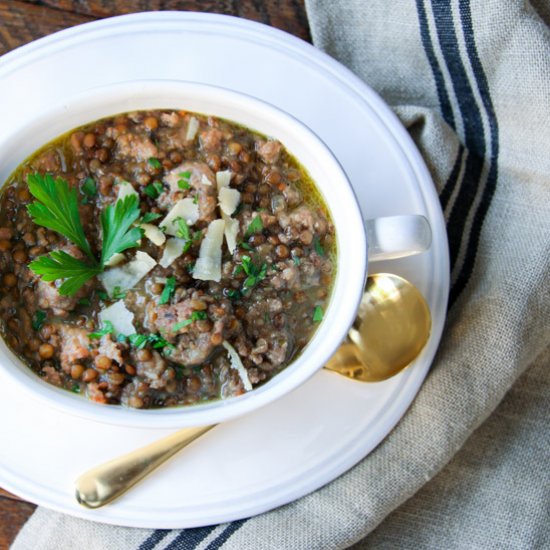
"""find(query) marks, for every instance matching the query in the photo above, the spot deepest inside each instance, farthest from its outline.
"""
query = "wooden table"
(24, 20)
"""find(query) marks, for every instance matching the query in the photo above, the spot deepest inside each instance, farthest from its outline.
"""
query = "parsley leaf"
(254, 273)
(118, 294)
(149, 217)
(255, 226)
(154, 189)
(139, 341)
(318, 247)
(318, 314)
(89, 189)
(56, 208)
(183, 182)
(38, 319)
(168, 291)
(195, 316)
(60, 265)
(116, 222)
(155, 163)
(107, 328)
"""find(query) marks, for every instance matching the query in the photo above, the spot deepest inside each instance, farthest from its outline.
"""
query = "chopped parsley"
(168, 291)
(107, 328)
(38, 319)
(149, 217)
(255, 226)
(317, 246)
(318, 314)
(139, 341)
(84, 302)
(118, 294)
(154, 189)
(88, 189)
(196, 199)
(232, 294)
(102, 295)
(183, 182)
(75, 388)
(195, 316)
(245, 246)
(254, 273)
(155, 163)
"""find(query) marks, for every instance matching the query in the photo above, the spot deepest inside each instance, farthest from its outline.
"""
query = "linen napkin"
(470, 79)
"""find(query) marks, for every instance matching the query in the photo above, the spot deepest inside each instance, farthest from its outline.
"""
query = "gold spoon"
(392, 326)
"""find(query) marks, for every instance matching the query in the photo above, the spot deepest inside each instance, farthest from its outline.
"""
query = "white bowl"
(257, 115)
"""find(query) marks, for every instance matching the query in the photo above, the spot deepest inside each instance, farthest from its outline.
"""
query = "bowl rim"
(325, 339)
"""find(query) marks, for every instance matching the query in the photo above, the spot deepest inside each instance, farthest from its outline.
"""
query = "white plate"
(309, 437)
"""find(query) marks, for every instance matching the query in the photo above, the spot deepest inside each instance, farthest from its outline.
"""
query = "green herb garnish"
(296, 260)
(168, 291)
(233, 294)
(102, 295)
(75, 388)
(245, 246)
(118, 294)
(154, 189)
(149, 217)
(196, 199)
(254, 273)
(318, 314)
(255, 226)
(139, 341)
(318, 247)
(89, 189)
(107, 328)
(56, 208)
(195, 316)
(183, 182)
(84, 302)
(155, 163)
(38, 319)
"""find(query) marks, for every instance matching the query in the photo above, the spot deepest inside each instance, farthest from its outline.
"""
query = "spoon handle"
(105, 482)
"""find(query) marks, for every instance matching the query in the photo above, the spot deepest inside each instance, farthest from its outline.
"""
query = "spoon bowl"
(392, 327)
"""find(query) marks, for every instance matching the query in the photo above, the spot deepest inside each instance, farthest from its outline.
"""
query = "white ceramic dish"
(257, 115)
(328, 424)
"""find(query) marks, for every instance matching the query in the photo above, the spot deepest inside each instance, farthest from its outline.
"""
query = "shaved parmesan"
(115, 259)
(127, 276)
(231, 231)
(229, 200)
(172, 251)
(192, 129)
(153, 233)
(184, 208)
(121, 318)
(237, 364)
(209, 263)
(125, 189)
(223, 178)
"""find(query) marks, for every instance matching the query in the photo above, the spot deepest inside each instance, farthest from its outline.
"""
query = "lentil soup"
(162, 258)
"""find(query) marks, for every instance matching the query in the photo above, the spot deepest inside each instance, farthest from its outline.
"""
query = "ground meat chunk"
(94, 393)
(52, 376)
(303, 219)
(151, 369)
(211, 140)
(269, 151)
(202, 183)
(50, 161)
(195, 341)
(132, 146)
(74, 346)
(110, 349)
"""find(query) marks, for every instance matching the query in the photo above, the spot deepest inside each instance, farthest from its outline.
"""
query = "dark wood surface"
(22, 21)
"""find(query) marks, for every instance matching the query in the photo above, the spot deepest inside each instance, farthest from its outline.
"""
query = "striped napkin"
(467, 467)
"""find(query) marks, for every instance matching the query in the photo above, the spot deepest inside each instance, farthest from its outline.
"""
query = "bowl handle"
(394, 237)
